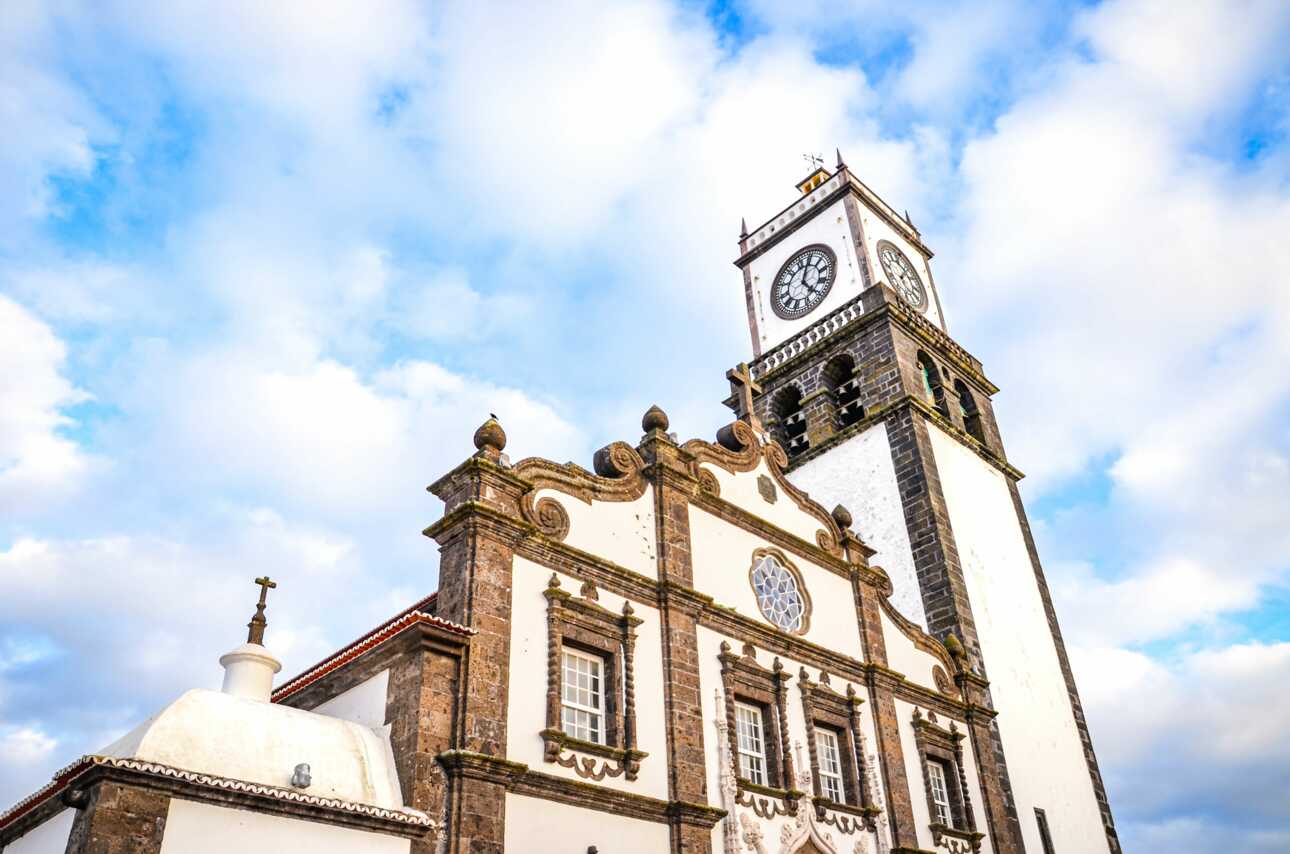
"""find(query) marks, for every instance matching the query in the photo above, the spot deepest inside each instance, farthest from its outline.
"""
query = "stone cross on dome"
(743, 386)
(258, 622)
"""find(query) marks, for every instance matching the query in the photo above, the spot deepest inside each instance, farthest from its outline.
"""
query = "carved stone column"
(476, 537)
(668, 468)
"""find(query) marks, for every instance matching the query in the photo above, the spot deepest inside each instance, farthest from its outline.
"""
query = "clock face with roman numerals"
(904, 278)
(803, 282)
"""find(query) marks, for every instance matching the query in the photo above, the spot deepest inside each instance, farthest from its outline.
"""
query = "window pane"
(830, 759)
(750, 743)
(583, 697)
(940, 793)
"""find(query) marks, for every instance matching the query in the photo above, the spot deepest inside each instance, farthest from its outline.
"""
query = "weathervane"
(258, 622)
(816, 161)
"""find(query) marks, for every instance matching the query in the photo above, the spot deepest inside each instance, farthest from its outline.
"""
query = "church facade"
(825, 631)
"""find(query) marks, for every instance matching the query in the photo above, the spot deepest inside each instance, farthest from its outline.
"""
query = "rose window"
(778, 594)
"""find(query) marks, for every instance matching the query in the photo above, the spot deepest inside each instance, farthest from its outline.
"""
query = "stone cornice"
(852, 319)
(563, 557)
(520, 779)
(479, 466)
(507, 527)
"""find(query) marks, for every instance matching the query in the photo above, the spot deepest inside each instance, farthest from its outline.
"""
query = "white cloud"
(49, 125)
(1203, 737)
(37, 463)
(322, 436)
(1150, 602)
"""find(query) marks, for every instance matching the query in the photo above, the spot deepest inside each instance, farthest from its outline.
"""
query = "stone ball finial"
(842, 516)
(654, 419)
(490, 435)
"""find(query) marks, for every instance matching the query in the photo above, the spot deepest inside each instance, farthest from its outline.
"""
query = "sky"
(265, 267)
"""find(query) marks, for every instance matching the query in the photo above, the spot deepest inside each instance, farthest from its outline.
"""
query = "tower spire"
(841, 165)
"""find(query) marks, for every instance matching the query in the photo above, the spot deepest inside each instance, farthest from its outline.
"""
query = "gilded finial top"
(258, 622)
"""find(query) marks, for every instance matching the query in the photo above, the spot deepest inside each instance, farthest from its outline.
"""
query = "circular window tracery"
(780, 594)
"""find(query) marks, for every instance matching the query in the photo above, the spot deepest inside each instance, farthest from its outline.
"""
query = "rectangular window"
(751, 730)
(941, 812)
(830, 756)
(583, 709)
(1044, 836)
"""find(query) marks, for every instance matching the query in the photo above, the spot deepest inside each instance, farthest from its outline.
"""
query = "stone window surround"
(946, 746)
(582, 623)
(745, 681)
(824, 707)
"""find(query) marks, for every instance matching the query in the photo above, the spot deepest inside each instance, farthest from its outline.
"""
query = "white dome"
(229, 736)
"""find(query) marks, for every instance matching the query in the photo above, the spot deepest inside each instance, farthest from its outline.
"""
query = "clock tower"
(880, 410)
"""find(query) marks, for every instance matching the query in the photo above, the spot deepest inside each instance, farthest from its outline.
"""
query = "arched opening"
(968, 409)
(790, 420)
(844, 389)
(932, 388)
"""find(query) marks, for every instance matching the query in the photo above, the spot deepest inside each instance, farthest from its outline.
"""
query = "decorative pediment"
(619, 476)
(741, 451)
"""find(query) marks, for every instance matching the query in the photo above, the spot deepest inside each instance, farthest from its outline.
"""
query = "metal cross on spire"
(816, 161)
(258, 622)
(744, 387)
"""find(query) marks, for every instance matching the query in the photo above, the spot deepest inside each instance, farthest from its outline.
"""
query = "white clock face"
(803, 282)
(902, 275)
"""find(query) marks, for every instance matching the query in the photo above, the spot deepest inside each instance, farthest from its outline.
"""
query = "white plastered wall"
(363, 704)
(1042, 746)
(197, 828)
(537, 826)
(714, 714)
(859, 475)
(905, 657)
(618, 531)
(722, 555)
(526, 693)
(875, 229)
(48, 837)
(827, 226)
(918, 789)
(741, 489)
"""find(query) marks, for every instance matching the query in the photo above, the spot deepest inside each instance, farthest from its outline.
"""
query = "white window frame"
(940, 786)
(829, 750)
(589, 721)
(750, 729)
